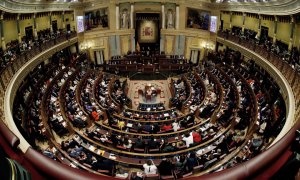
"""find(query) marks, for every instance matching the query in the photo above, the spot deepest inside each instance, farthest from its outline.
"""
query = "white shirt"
(103, 139)
(180, 85)
(152, 169)
(188, 140)
(175, 126)
(206, 82)
(213, 96)
(262, 127)
(128, 146)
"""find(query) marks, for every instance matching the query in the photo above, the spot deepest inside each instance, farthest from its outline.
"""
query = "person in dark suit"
(152, 144)
(168, 147)
(165, 167)
(191, 162)
(139, 143)
(115, 140)
(106, 164)
(78, 122)
(155, 128)
(90, 134)
(183, 123)
(148, 128)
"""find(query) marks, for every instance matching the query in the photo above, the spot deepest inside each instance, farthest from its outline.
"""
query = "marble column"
(50, 19)
(3, 44)
(220, 19)
(35, 35)
(275, 29)
(132, 42)
(292, 24)
(177, 17)
(131, 16)
(163, 17)
(18, 29)
(243, 26)
(117, 17)
(259, 27)
(63, 20)
(230, 20)
(162, 43)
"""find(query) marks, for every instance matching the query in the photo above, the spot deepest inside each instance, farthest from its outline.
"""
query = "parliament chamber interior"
(145, 90)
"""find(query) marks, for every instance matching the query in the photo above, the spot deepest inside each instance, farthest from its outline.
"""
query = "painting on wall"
(197, 19)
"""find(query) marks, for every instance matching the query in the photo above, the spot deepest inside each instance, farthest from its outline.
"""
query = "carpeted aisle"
(136, 91)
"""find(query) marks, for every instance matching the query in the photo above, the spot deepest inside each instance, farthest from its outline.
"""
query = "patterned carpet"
(136, 91)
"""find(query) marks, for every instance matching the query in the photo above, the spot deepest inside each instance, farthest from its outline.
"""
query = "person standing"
(95, 114)
(150, 168)
(165, 167)
(176, 126)
(188, 138)
(197, 136)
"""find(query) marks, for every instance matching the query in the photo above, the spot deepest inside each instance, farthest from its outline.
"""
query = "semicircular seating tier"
(220, 115)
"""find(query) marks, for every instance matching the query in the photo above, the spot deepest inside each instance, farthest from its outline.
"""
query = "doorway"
(195, 56)
(54, 26)
(68, 27)
(29, 33)
(99, 57)
(221, 25)
(264, 34)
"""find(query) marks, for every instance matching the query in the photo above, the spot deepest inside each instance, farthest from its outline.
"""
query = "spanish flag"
(138, 48)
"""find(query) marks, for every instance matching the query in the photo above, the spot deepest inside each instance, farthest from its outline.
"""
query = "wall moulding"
(283, 7)
(187, 32)
(21, 7)
(105, 33)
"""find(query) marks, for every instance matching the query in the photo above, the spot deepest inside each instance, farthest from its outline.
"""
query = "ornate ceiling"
(45, 1)
(221, 1)
(270, 7)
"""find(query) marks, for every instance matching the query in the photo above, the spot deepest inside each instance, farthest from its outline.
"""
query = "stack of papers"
(112, 156)
(92, 148)
(129, 125)
(100, 152)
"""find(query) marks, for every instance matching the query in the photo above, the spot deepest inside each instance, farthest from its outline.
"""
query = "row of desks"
(147, 67)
